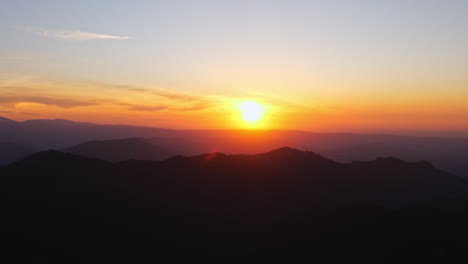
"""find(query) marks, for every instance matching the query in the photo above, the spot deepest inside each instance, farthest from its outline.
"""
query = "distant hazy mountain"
(120, 150)
(6, 120)
(10, 152)
(59, 134)
(59, 205)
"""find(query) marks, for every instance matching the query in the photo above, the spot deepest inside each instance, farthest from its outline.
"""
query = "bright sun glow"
(251, 111)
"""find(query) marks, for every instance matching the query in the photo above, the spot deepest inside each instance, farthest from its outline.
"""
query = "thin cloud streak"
(152, 91)
(169, 95)
(170, 101)
(147, 108)
(72, 34)
(60, 102)
(27, 113)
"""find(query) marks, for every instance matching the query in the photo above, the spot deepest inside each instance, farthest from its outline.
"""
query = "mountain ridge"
(384, 175)
(446, 153)
(285, 199)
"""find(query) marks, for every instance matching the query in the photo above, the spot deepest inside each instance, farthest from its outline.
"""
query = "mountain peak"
(288, 154)
(212, 155)
(286, 150)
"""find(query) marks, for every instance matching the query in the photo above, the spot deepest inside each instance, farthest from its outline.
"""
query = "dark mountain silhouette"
(286, 201)
(120, 150)
(446, 154)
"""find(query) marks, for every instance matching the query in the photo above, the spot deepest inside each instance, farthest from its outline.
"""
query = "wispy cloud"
(192, 108)
(72, 34)
(166, 94)
(60, 102)
(27, 113)
(147, 108)
(179, 96)
(201, 105)
(125, 97)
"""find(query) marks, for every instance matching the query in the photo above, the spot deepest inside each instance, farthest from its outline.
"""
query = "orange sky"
(376, 66)
(148, 106)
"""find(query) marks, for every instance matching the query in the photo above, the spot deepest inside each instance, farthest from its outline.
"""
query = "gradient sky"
(360, 66)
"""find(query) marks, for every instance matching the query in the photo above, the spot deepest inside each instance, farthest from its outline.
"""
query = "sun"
(251, 111)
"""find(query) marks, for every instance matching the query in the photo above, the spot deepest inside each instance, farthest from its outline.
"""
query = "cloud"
(126, 97)
(150, 91)
(172, 108)
(175, 109)
(27, 113)
(148, 108)
(60, 102)
(193, 108)
(72, 34)
(178, 102)
(201, 105)
(166, 94)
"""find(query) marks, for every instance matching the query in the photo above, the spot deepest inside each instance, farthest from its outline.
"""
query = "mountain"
(63, 206)
(445, 153)
(60, 134)
(120, 150)
(10, 152)
(6, 120)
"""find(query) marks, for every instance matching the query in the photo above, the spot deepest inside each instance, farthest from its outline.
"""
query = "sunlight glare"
(251, 111)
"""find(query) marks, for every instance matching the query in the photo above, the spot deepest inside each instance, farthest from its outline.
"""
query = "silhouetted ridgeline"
(285, 202)
(101, 141)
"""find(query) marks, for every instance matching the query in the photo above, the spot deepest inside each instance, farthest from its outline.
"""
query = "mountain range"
(59, 205)
(102, 141)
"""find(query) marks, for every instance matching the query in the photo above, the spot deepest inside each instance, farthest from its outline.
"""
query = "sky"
(342, 66)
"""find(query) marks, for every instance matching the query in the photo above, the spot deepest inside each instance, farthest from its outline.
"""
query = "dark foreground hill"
(283, 202)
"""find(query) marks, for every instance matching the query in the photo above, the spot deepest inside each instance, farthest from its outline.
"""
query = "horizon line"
(257, 129)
